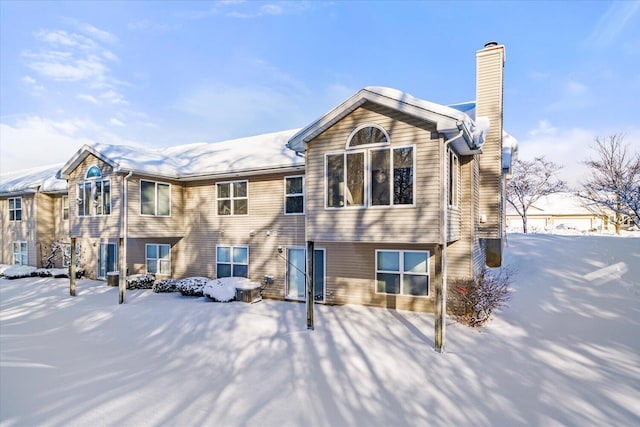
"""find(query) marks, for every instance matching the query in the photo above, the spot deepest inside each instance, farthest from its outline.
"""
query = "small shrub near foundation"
(165, 285)
(140, 281)
(192, 286)
(480, 297)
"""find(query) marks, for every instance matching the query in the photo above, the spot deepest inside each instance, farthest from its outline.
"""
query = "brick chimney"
(489, 88)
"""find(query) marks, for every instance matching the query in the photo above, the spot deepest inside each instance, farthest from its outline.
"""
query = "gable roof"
(31, 180)
(449, 121)
(255, 154)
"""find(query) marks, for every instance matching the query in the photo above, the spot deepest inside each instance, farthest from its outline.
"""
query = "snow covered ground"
(565, 352)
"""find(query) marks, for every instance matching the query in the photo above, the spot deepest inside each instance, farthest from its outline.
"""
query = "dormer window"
(94, 172)
(367, 135)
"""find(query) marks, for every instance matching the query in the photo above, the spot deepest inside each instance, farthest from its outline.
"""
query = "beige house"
(398, 197)
(34, 213)
(561, 211)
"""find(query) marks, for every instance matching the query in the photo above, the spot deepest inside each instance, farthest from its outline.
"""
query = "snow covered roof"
(31, 180)
(562, 203)
(449, 121)
(255, 154)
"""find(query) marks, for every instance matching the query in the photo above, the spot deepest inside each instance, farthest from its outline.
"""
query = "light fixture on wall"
(280, 249)
(252, 233)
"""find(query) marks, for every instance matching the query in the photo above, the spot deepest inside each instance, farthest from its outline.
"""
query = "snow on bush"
(18, 271)
(192, 286)
(221, 290)
(165, 285)
(140, 281)
(52, 272)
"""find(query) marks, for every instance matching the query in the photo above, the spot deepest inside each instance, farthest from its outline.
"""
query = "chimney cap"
(491, 43)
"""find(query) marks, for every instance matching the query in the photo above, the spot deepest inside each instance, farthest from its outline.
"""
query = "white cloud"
(568, 147)
(101, 35)
(89, 98)
(612, 23)
(32, 141)
(116, 122)
(70, 57)
(114, 97)
(576, 88)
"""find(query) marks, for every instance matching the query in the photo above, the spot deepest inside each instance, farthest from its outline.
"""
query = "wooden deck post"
(310, 284)
(440, 303)
(72, 268)
(122, 283)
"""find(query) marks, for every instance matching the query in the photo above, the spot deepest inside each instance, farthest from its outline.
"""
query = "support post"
(122, 284)
(440, 304)
(72, 268)
(310, 284)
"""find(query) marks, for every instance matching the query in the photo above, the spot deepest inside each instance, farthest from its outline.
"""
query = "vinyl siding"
(263, 230)
(419, 224)
(489, 103)
(155, 226)
(20, 231)
(94, 226)
(459, 253)
(350, 270)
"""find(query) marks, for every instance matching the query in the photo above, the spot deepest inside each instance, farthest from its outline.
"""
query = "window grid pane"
(403, 176)
(355, 179)
(380, 185)
(402, 272)
(335, 181)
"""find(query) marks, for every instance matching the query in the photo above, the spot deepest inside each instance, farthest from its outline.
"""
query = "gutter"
(444, 238)
(125, 223)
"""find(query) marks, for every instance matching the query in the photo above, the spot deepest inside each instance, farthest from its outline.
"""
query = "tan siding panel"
(155, 226)
(351, 276)
(413, 224)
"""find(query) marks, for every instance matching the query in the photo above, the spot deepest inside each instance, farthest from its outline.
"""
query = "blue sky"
(168, 73)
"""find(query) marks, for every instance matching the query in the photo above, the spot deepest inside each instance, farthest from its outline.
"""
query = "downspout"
(442, 313)
(125, 223)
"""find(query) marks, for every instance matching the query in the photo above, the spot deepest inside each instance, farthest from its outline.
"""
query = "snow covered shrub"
(165, 285)
(221, 290)
(192, 286)
(481, 296)
(19, 271)
(52, 272)
(140, 281)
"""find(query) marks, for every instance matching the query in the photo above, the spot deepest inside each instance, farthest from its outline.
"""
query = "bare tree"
(613, 181)
(530, 180)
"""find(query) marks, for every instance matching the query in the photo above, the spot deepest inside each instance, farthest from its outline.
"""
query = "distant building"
(560, 211)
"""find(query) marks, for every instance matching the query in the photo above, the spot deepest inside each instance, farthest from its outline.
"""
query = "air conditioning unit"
(250, 292)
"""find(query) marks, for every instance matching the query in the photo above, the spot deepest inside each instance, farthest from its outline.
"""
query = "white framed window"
(20, 253)
(158, 258)
(15, 208)
(232, 198)
(402, 272)
(367, 135)
(155, 198)
(454, 179)
(294, 195)
(65, 208)
(384, 177)
(232, 261)
(94, 194)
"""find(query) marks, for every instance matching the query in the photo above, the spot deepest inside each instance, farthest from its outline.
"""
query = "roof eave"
(445, 124)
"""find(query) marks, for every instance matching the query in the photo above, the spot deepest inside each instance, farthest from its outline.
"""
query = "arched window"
(94, 172)
(367, 135)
